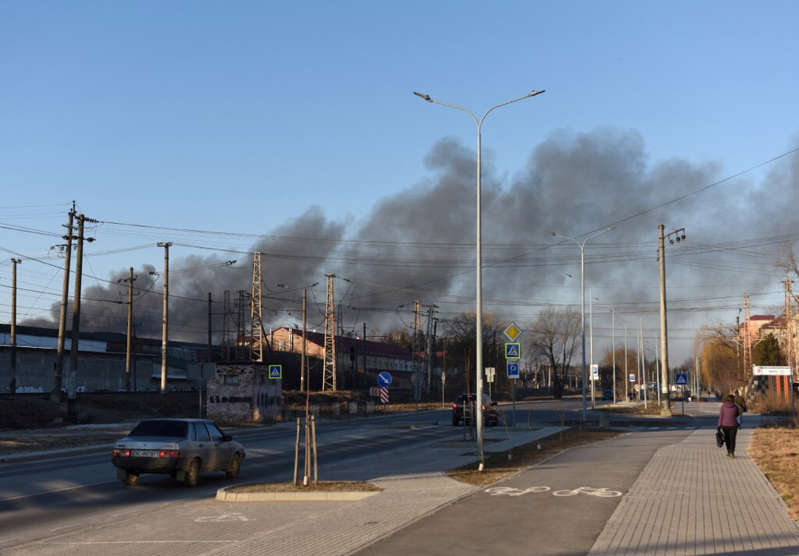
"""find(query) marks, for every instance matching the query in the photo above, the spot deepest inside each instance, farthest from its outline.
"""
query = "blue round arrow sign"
(384, 379)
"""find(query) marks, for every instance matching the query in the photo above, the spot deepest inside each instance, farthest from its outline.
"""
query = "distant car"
(178, 447)
(607, 394)
(490, 413)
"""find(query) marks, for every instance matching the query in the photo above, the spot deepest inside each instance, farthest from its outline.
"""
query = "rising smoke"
(419, 243)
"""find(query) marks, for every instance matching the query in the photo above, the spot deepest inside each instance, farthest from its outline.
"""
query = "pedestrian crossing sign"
(275, 372)
(682, 379)
(513, 350)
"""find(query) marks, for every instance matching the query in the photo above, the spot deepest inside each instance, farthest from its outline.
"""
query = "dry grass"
(323, 486)
(497, 466)
(776, 452)
(767, 405)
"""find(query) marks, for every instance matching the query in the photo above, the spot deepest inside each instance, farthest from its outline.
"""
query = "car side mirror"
(226, 438)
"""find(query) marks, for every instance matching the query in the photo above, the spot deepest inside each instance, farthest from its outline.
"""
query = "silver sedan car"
(178, 447)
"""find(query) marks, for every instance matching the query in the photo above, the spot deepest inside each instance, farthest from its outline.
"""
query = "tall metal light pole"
(591, 343)
(613, 347)
(581, 245)
(479, 281)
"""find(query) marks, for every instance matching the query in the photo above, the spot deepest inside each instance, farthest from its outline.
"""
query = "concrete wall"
(242, 392)
(96, 371)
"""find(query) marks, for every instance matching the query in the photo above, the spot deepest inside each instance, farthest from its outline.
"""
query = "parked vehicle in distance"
(181, 448)
(607, 394)
(490, 413)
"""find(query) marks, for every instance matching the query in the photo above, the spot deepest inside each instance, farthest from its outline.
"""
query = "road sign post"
(681, 380)
(490, 373)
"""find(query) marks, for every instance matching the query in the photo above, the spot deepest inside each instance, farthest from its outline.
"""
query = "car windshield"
(174, 429)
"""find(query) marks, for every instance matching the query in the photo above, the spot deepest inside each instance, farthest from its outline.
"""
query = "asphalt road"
(51, 496)
(47, 497)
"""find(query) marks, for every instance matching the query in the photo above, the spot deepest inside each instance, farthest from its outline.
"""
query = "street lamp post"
(581, 245)
(479, 281)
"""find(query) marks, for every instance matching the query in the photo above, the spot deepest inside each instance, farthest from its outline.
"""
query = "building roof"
(344, 343)
(112, 337)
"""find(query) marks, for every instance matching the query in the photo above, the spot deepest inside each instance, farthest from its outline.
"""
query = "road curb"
(224, 495)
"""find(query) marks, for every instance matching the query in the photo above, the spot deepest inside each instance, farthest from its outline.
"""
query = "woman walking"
(728, 421)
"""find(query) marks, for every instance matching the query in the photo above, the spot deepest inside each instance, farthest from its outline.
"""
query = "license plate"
(145, 453)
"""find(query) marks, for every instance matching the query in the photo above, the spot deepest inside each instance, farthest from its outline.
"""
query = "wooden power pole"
(165, 317)
(789, 323)
(72, 383)
(129, 339)
(55, 395)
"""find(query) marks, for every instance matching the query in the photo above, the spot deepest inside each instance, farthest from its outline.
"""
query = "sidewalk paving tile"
(692, 499)
(404, 500)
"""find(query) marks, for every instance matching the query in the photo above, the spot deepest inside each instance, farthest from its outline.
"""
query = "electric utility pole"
(329, 366)
(417, 325)
(789, 323)
(210, 324)
(72, 383)
(129, 340)
(55, 395)
(626, 373)
(431, 309)
(591, 342)
(747, 358)
(165, 318)
(613, 347)
(303, 380)
(675, 235)
(12, 386)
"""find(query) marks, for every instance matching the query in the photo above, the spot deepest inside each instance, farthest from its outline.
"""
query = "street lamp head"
(423, 96)
(534, 92)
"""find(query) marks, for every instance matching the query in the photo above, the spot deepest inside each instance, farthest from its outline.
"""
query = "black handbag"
(719, 437)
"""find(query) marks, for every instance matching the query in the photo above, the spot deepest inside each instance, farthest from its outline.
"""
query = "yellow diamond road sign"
(512, 331)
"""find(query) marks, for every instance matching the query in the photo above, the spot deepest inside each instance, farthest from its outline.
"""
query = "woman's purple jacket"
(729, 411)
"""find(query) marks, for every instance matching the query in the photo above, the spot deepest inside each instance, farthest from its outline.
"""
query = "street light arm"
(556, 234)
(456, 107)
(597, 233)
(528, 95)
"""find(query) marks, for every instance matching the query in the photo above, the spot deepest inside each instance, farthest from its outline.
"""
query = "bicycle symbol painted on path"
(589, 491)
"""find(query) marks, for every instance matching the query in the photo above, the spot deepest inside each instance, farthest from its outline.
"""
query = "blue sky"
(237, 116)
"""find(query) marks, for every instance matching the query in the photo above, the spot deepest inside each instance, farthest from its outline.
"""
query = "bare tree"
(719, 355)
(554, 337)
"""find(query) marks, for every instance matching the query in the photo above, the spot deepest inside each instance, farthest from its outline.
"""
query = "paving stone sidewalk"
(692, 499)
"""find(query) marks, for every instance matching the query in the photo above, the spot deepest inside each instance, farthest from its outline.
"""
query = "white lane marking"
(233, 516)
(54, 491)
(151, 541)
